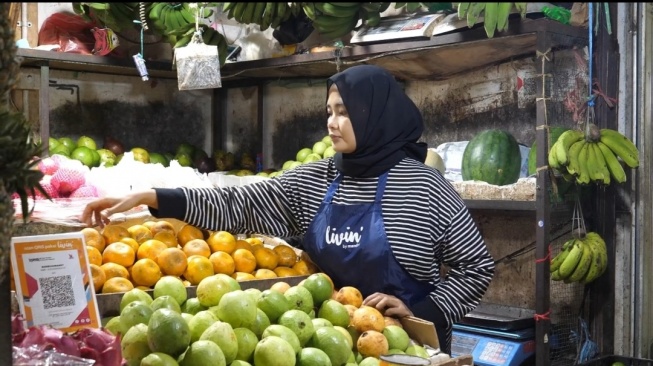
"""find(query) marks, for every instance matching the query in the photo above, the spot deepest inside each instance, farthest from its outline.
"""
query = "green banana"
(556, 276)
(183, 41)
(325, 23)
(259, 9)
(553, 158)
(309, 10)
(490, 17)
(521, 8)
(227, 6)
(281, 13)
(268, 14)
(238, 11)
(503, 16)
(336, 11)
(598, 242)
(187, 16)
(462, 10)
(569, 264)
(596, 265)
(565, 141)
(573, 154)
(583, 264)
(614, 165)
(474, 11)
(621, 146)
(558, 259)
(603, 167)
(593, 168)
(583, 172)
(248, 13)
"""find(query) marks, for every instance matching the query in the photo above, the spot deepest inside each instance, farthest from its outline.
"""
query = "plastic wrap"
(35, 356)
(198, 65)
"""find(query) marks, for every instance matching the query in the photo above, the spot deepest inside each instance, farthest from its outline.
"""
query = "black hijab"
(386, 122)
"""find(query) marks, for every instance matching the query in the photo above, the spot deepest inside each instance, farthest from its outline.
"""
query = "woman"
(374, 216)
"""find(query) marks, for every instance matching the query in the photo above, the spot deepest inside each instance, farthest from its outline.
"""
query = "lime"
(134, 345)
(158, 158)
(303, 153)
(97, 159)
(171, 286)
(184, 159)
(168, 332)
(134, 294)
(60, 149)
(136, 312)
(68, 142)
(87, 141)
(158, 359)
(83, 154)
(52, 143)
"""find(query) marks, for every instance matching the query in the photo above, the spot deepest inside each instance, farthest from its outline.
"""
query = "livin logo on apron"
(351, 239)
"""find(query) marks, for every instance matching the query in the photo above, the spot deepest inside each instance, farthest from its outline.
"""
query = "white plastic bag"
(198, 65)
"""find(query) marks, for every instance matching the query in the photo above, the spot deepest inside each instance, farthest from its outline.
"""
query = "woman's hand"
(101, 209)
(388, 305)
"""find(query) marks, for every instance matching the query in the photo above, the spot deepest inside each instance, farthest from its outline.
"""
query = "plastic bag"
(71, 32)
(36, 356)
(198, 65)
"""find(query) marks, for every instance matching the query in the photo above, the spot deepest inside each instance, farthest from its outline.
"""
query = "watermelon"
(532, 162)
(492, 156)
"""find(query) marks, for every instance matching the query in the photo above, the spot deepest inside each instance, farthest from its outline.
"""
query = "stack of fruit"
(140, 255)
(495, 15)
(582, 259)
(64, 178)
(310, 323)
(593, 157)
(322, 149)
(334, 20)
(266, 15)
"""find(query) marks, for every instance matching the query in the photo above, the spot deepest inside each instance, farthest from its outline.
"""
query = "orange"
(150, 249)
(117, 284)
(285, 271)
(119, 253)
(286, 254)
(242, 276)
(94, 256)
(266, 258)
(304, 267)
(198, 268)
(349, 295)
(222, 263)
(113, 233)
(168, 238)
(172, 261)
(254, 241)
(197, 247)
(132, 243)
(140, 233)
(241, 244)
(93, 238)
(244, 260)
(149, 224)
(98, 277)
(114, 270)
(145, 272)
(222, 241)
(263, 273)
(162, 225)
(187, 233)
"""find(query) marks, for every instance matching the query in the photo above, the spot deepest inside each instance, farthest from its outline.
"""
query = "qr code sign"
(57, 291)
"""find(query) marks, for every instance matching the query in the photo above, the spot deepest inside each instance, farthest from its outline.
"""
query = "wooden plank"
(33, 21)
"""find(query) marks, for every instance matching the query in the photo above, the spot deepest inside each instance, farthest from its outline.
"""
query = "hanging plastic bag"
(198, 65)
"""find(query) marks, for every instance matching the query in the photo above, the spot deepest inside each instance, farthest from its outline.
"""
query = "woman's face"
(338, 123)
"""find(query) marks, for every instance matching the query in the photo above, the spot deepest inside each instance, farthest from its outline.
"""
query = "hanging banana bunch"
(266, 15)
(181, 37)
(495, 15)
(595, 157)
(165, 18)
(582, 259)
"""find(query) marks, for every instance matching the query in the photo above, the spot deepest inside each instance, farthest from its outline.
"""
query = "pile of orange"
(122, 258)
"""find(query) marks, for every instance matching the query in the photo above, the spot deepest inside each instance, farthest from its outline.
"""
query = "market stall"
(524, 314)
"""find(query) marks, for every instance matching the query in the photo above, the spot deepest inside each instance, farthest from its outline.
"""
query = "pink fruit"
(48, 166)
(84, 191)
(46, 183)
(67, 179)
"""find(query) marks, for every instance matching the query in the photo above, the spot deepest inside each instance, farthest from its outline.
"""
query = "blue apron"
(349, 243)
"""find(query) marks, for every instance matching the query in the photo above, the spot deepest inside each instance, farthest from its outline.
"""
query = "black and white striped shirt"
(425, 219)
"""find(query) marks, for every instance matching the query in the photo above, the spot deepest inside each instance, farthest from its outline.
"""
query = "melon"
(492, 156)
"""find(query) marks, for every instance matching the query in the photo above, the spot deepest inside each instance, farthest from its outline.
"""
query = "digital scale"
(496, 335)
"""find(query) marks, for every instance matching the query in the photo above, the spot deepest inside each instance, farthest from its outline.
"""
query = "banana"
(336, 11)
(556, 276)
(553, 158)
(621, 146)
(155, 11)
(187, 15)
(462, 10)
(248, 13)
(325, 23)
(599, 244)
(268, 14)
(238, 11)
(558, 259)
(583, 172)
(583, 264)
(281, 13)
(183, 41)
(521, 8)
(573, 257)
(309, 10)
(594, 270)
(285, 11)
(164, 16)
(373, 19)
(490, 17)
(227, 6)
(566, 139)
(613, 164)
(593, 168)
(503, 16)
(573, 154)
(600, 161)
(474, 11)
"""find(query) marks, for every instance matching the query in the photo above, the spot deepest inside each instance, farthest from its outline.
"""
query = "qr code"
(57, 291)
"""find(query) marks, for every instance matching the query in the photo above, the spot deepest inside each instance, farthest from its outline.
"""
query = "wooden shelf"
(501, 205)
(438, 58)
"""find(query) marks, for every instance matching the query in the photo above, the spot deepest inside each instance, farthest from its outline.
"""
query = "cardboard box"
(424, 333)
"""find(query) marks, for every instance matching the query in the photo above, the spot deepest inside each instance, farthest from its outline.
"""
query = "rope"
(590, 102)
(544, 316)
(545, 259)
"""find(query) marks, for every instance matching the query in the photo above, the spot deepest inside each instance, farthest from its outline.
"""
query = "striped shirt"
(426, 221)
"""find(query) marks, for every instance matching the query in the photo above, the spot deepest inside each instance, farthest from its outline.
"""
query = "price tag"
(53, 280)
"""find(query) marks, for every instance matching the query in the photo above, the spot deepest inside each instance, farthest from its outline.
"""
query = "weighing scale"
(495, 335)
